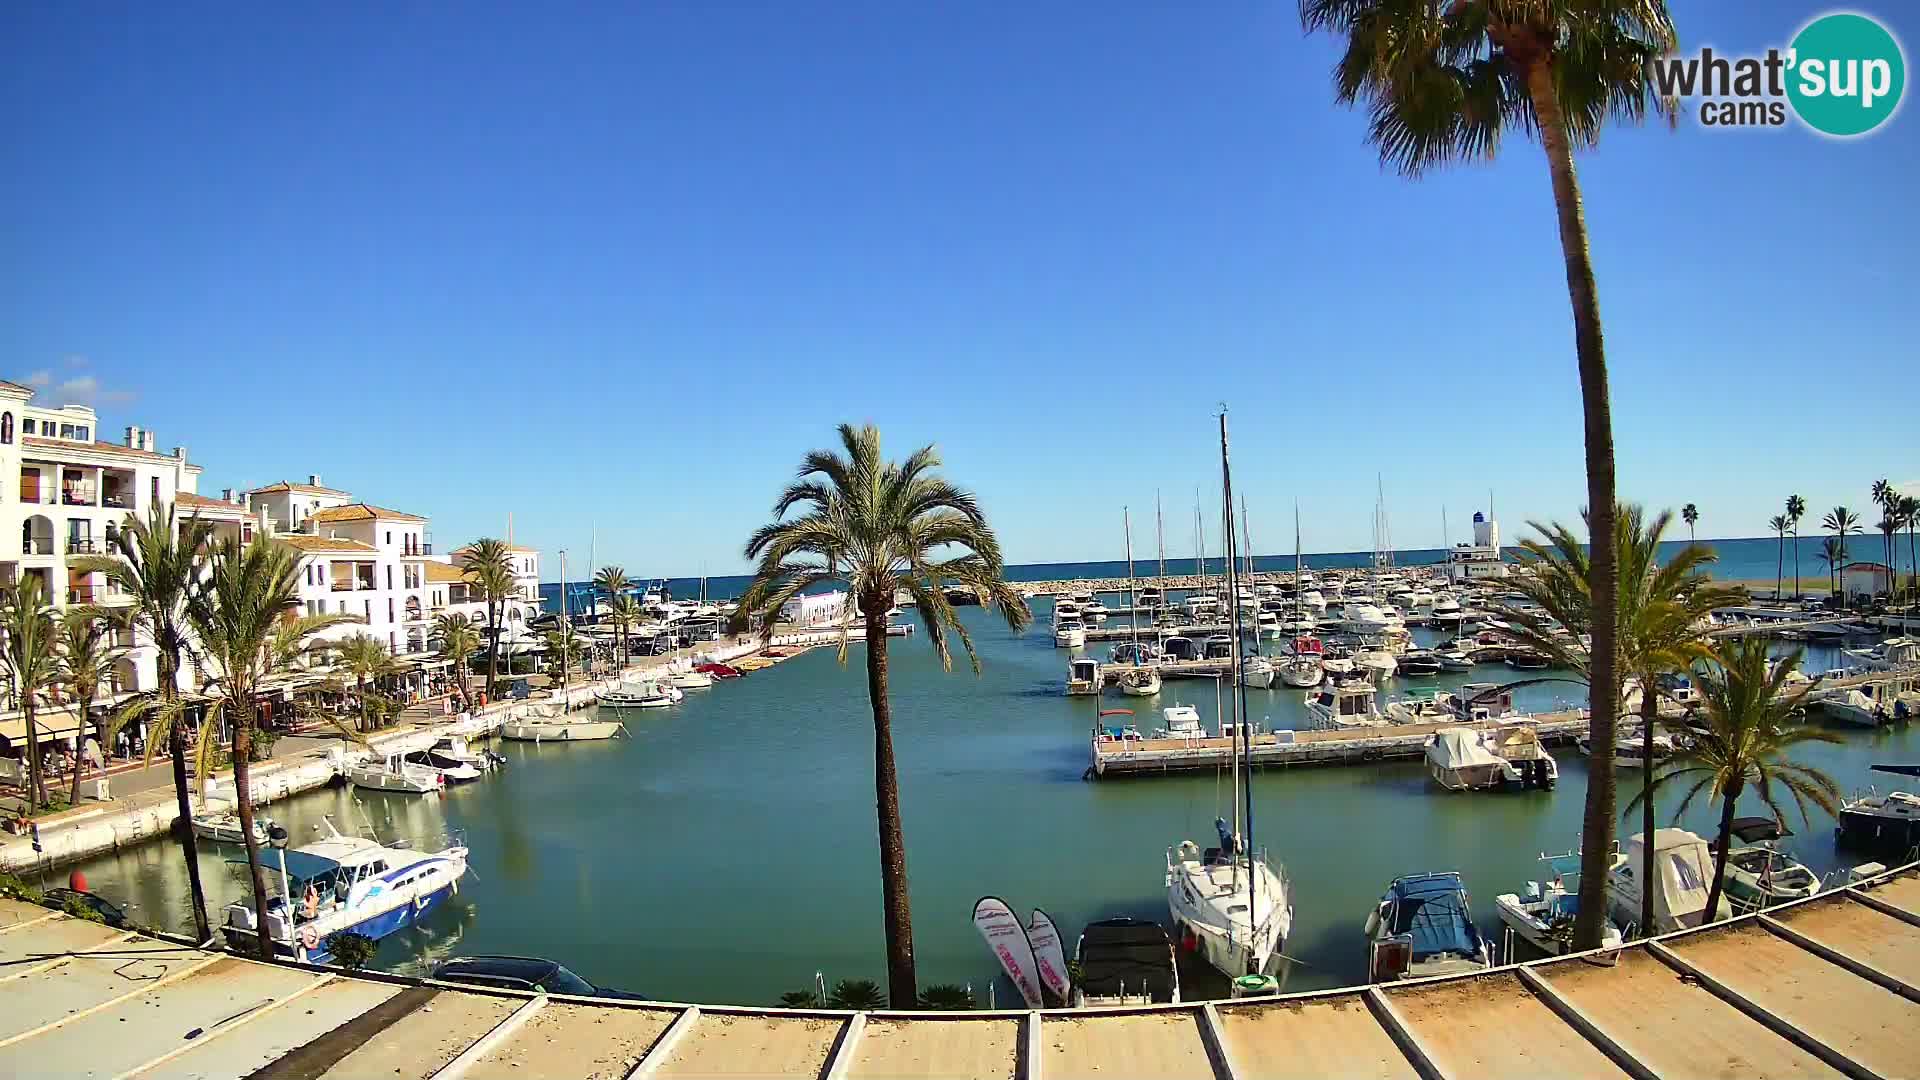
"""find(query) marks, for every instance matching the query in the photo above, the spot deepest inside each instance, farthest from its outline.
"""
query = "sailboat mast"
(1242, 729)
(1133, 610)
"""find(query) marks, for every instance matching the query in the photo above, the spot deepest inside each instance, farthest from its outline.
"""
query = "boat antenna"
(1242, 730)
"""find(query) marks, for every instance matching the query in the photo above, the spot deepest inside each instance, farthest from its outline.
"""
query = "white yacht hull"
(1144, 686)
(562, 731)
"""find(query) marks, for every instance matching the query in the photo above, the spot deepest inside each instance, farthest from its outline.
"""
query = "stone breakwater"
(1061, 587)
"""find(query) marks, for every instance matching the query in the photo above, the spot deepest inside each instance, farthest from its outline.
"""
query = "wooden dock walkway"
(1285, 749)
(1824, 986)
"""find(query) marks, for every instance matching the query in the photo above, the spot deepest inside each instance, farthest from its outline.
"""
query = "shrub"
(350, 950)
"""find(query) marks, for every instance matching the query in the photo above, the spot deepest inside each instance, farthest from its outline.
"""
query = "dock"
(1823, 986)
(1284, 749)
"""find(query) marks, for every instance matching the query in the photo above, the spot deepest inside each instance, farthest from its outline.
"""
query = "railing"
(36, 547)
(419, 549)
(118, 502)
(82, 545)
(342, 586)
(82, 596)
(77, 499)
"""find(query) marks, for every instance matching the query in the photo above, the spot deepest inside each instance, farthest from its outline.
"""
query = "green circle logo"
(1846, 74)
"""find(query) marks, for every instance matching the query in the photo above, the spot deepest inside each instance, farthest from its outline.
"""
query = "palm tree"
(458, 639)
(562, 649)
(611, 580)
(489, 568)
(1796, 509)
(1889, 527)
(30, 665)
(625, 612)
(1910, 515)
(157, 563)
(1841, 521)
(86, 659)
(364, 657)
(1740, 740)
(880, 527)
(1691, 515)
(1778, 523)
(1887, 498)
(1663, 609)
(1444, 82)
(1834, 553)
(237, 609)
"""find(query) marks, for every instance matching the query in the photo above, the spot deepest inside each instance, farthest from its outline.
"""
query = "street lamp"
(277, 836)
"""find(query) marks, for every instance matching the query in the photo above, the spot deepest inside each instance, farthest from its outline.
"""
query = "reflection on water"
(726, 851)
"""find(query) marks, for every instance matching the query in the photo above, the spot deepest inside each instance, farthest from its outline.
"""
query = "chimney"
(146, 441)
(180, 453)
(134, 438)
(313, 479)
(226, 496)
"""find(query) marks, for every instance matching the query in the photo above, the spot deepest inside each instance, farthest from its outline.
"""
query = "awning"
(47, 725)
(301, 865)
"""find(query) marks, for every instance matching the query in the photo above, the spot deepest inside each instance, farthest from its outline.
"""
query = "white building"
(1866, 579)
(814, 609)
(1480, 560)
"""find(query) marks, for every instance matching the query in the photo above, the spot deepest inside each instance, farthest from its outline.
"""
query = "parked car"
(528, 973)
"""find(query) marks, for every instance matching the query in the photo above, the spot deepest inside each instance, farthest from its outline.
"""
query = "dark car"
(64, 899)
(527, 973)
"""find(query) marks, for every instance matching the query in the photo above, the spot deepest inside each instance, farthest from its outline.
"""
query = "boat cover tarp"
(1898, 770)
(301, 865)
(1754, 830)
(1685, 867)
(1432, 909)
(1459, 748)
(1126, 951)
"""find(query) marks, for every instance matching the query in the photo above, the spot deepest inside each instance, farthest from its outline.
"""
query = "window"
(368, 605)
(155, 496)
(6, 427)
(389, 573)
(66, 431)
(389, 537)
(389, 604)
(83, 433)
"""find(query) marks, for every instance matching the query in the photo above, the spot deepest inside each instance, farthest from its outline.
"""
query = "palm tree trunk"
(1728, 801)
(243, 797)
(1649, 714)
(1780, 564)
(1796, 565)
(1590, 347)
(901, 991)
(183, 796)
(79, 744)
(493, 646)
(36, 780)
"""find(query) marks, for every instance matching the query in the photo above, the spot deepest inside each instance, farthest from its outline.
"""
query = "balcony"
(342, 586)
(37, 546)
(84, 545)
(77, 498)
(86, 595)
(117, 502)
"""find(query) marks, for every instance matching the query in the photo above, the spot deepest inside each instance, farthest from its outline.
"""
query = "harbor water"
(725, 851)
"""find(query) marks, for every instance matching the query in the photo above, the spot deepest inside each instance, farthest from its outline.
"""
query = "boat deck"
(1822, 987)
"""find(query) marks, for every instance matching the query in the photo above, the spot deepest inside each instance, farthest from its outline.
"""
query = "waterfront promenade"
(1828, 986)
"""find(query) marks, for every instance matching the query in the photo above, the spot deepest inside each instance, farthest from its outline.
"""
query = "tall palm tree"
(1740, 740)
(157, 562)
(1691, 515)
(365, 658)
(1833, 553)
(625, 612)
(1910, 516)
(489, 568)
(1840, 521)
(1662, 608)
(1887, 498)
(611, 580)
(30, 663)
(1444, 82)
(1778, 523)
(1796, 509)
(880, 527)
(457, 639)
(86, 659)
(237, 609)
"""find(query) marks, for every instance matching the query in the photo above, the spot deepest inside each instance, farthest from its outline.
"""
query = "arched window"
(6, 427)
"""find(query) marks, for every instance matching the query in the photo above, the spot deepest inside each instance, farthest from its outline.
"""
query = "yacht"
(1093, 612)
(1422, 927)
(1544, 913)
(1083, 676)
(451, 772)
(630, 694)
(343, 883)
(1230, 906)
(1183, 722)
(1889, 654)
(1267, 625)
(1759, 874)
(683, 675)
(1509, 758)
(1630, 748)
(1435, 709)
(222, 826)
(1315, 601)
(1365, 618)
(1301, 668)
(1377, 664)
(1125, 962)
(1887, 823)
(1680, 889)
(1069, 634)
(1454, 660)
(555, 725)
(1345, 706)
(456, 748)
(395, 773)
(1140, 682)
(1420, 662)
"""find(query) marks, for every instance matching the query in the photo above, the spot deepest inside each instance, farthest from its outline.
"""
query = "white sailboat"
(1229, 903)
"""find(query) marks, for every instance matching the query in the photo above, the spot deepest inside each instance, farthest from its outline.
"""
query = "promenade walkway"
(1825, 987)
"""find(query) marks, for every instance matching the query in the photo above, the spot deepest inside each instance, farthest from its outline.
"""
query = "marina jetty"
(1825, 985)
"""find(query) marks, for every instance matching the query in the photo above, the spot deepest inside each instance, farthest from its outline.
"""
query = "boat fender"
(309, 937)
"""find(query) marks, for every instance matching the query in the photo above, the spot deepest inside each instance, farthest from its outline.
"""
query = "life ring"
(309, 937)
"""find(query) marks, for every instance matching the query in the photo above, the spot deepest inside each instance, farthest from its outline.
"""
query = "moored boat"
(1544, 913)
(394, 773)
(1422, 927)
(1125, 962)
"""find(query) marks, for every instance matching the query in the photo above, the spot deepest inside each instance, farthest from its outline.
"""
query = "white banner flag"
(1008, 940)
(1044, 938)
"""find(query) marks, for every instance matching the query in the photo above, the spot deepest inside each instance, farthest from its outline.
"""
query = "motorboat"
(1203, 606)
(457, 748)
(1182, 722)
(1422, 927)
(222, 826)
(1478, 701)
(1454, 660)
(1436, 708)
(719, 670)
(1083, 676)
(1872, 705)
(1887, 823)
(1139, 654)
(395, 773)
(1180, 648)
(1125, 962)
(1543, 914)
(1345, 706)
(1892, 653)
(1376, 664)
(1230, 906)
(1420, 662)
(1528, 660)
(1149, 597)
(1314, 600)
(1683, 871)
(1471, 759)
(1256, 671)
(1267, 625)
(556, 725)
(343, 883)
(682, 675)
(1365, 618)
(451, 772)
(1302, 668)
(1218, 647)
(1140, 682)
(1069, 634)
(1065, 610)
(1630, 748)
(631, 694)
(1759, 874)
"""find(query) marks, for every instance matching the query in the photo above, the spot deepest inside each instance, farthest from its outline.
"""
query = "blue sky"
(615, 267)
